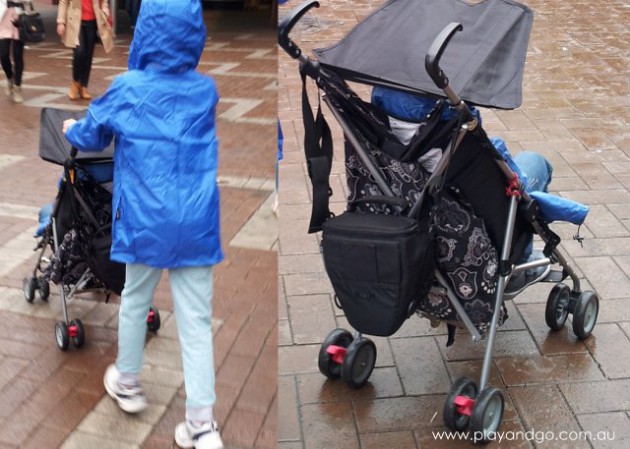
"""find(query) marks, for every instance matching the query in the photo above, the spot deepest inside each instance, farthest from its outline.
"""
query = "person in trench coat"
(78, 22)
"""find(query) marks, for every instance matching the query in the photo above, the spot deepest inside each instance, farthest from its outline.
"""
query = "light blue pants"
(191, 288)
(538, 171)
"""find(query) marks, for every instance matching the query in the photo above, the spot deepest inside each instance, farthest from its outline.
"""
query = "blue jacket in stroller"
(414, 108)
(162, 113)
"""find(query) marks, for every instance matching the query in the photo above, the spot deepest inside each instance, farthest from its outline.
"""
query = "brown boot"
(73, 93)
(84, 93)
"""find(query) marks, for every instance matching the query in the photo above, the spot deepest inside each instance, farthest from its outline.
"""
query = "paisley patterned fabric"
(405, 179)
(68, 263)
(468, 260)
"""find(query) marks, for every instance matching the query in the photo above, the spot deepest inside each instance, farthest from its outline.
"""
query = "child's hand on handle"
(67, 124)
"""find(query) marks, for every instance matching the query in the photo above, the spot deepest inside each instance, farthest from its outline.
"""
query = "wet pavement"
(576, 111)
(50, 398)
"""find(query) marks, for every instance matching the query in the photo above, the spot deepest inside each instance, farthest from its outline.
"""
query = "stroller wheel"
(62, 335)
(153, 319)
(557, 309)
(28, 286)
(44, 288)
(458, 404)
(77, 332)
(332, 353)
(359, 362)
(585, 314)
(487, 414)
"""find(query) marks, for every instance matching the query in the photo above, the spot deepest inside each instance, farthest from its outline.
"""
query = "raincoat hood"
(169, 36)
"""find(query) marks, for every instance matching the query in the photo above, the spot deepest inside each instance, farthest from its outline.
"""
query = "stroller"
(77, 230)
(394, 251)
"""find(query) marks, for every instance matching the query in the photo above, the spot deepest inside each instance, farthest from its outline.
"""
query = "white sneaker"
(524, 279)
(205, 436)
(17, 94)
(129, 399)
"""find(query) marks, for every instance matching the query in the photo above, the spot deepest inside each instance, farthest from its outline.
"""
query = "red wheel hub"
(337, 353)
(464, 405)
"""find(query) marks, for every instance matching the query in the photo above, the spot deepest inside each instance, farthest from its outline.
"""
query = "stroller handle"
(286, 25)
(432, 60)
(73, 152)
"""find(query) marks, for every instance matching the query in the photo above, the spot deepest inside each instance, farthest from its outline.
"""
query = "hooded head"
(169, 36)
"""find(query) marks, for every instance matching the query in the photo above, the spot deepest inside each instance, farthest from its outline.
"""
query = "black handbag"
(379, 266)
(30, 26)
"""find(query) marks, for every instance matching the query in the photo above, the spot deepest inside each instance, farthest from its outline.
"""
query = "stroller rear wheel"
(77, 332)
(44, 288)
(153, 319)
(585, 314)
(332, 353)
(557, 309)
(359, 362)
(62, 335)
(28, 287)
(458, 404)
(487, 414)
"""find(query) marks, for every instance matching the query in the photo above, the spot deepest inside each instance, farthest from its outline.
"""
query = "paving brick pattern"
(51, 399)
(576, 111)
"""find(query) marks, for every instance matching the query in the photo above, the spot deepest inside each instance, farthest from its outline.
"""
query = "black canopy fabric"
(484, 62)
(53, 146)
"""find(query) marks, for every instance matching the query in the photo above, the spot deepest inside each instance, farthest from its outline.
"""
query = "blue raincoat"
(162, 113)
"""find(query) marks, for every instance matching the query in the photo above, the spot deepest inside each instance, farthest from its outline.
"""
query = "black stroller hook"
(286, 25)
(432, 60)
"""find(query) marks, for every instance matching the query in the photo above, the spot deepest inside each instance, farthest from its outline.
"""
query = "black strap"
(318, 149)
(451, 334)
(76, 197)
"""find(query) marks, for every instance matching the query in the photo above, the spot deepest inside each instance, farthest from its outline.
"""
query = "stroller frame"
(468, 403)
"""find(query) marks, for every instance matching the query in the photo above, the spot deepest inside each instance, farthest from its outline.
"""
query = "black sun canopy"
(53, 146)
(484, 62)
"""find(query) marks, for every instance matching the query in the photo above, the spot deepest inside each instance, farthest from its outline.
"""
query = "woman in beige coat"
(78, 21)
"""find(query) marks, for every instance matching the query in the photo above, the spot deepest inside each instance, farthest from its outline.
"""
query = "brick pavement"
(576, 111)
(51, 399)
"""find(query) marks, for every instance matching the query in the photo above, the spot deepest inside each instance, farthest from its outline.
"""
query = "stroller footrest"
(554, 276)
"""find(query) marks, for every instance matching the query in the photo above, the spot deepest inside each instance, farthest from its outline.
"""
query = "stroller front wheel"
(359, 362)
(78, 332)
(585, 314)
(487, 414)
(332, 353)
(28, 287)
(457, 407)
(44, 288)
(62, 335)
(557, 309)
(153, 319)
